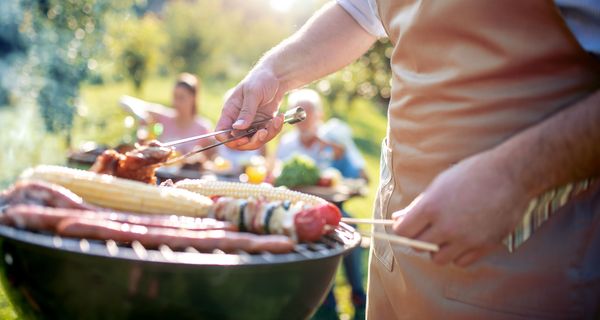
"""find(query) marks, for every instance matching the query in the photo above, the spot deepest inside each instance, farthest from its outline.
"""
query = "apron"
(467, 75)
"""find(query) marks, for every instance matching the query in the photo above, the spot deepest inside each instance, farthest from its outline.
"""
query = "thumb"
(410, 221)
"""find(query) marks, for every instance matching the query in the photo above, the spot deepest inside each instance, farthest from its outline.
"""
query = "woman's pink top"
(174, 131)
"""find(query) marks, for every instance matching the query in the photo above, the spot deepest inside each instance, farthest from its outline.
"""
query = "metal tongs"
(291, 116)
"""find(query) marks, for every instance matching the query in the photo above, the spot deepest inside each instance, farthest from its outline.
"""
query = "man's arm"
(469, 208)
(330, 40)
(564, 148)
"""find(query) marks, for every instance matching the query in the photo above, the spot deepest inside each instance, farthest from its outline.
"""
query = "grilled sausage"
(46, 219)
(153, 237)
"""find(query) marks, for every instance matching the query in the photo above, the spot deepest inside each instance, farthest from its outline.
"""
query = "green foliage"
(220, 39)
(368, 77)
(194, 29)
(137, 45)
(298, 171)
(47, 48)
(63, 38)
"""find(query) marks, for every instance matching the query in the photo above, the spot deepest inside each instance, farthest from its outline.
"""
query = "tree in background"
(47, 49)
(196, 35)
(220, 39)
(137, 44)
(368, 77)
(63, 39)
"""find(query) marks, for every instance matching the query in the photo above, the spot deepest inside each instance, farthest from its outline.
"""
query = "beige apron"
(467, 75)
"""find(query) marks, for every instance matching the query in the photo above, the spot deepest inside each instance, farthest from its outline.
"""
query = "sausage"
(153, 237)
(46, 219)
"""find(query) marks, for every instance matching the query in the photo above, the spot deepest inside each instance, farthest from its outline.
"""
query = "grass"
(100, 119)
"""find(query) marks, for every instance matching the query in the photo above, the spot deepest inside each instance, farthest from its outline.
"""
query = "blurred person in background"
(180, 121)
(330, 145)
(351, 163)
(304, 139)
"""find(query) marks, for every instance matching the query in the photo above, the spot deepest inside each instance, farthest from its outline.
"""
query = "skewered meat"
(138, 164)
(300, 221)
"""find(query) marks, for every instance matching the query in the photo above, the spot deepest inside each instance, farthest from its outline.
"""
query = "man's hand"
(256, 98)
(467, 210)
(330, 40)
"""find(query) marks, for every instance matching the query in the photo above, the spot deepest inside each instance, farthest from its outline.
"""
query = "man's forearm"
(330, 40)
(561, 149)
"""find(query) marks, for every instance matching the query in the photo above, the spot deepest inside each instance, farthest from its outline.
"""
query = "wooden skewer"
(387, 222)
(417, 244)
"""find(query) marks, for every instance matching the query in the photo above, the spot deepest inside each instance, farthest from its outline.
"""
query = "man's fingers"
(250, 103)
(236, 143)
(273, 128)
(472, 256)
(229, 115)
(431, 235)
(448, 253)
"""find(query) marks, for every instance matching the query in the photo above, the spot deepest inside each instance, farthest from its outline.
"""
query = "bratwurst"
(153, 237)
(46, 219)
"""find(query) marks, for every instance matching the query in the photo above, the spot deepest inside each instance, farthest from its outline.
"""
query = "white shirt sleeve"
(365, 13)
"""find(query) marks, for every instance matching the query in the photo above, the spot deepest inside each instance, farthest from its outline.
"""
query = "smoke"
(24, 141)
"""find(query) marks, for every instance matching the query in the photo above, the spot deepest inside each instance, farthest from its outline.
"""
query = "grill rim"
(101, 248)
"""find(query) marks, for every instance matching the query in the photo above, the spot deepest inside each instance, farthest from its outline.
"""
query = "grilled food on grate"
(137, 164)
(122, 194)
(263, 209)
(71, 217)
(302, 218)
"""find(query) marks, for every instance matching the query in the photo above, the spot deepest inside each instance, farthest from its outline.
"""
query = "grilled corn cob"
(121, 194)
(243, 190)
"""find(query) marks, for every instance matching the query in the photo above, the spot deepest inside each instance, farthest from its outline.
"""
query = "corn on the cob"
(243, 190)
(121, 194)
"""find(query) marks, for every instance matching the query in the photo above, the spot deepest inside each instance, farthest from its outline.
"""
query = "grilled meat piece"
(42, 194)
(137, 164)
(299, 221)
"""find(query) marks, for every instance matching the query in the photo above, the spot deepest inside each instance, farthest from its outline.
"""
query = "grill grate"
(342, 239)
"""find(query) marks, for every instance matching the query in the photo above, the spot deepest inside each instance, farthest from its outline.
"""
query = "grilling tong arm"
(292, 116)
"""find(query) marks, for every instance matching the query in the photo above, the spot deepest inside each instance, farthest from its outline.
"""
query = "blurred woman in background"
(180, 121)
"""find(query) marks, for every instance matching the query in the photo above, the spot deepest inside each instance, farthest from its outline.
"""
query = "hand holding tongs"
(291, 116)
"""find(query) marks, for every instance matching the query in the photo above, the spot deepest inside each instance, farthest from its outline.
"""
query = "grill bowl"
(49, 277)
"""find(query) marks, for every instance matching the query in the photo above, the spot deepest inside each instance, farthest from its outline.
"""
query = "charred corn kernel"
(243, 190)
(122, 194)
